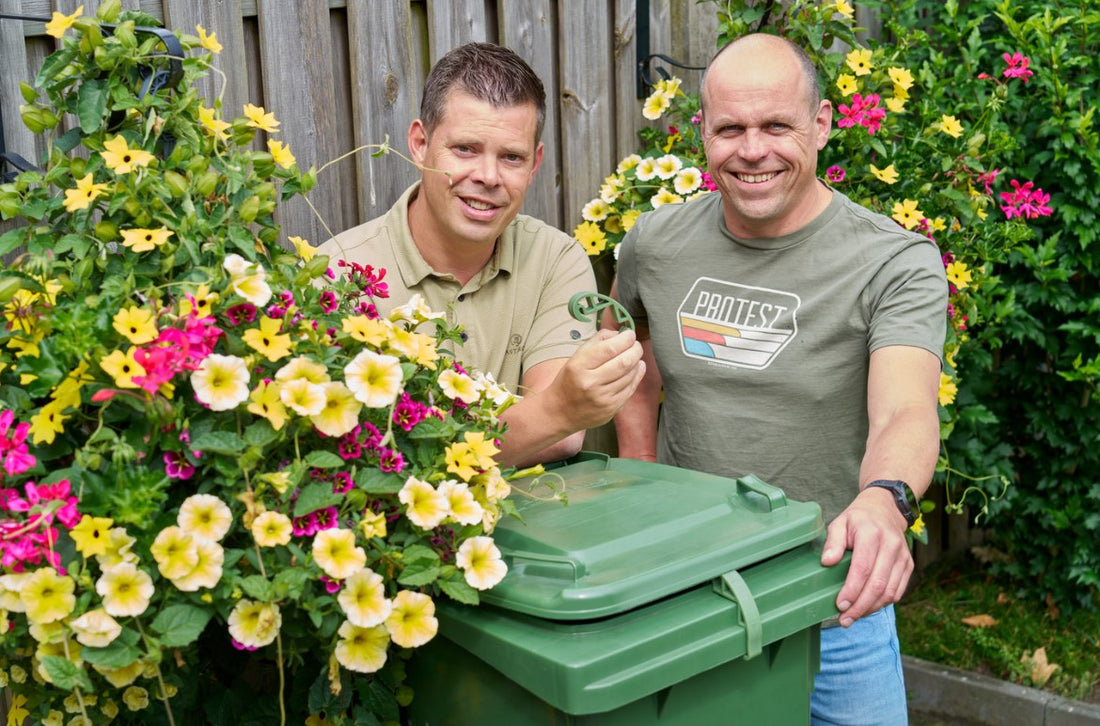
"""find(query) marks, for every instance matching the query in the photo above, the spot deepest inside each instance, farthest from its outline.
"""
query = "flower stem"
(163, 695)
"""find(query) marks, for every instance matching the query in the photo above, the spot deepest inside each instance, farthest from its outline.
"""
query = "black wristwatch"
(902, 494)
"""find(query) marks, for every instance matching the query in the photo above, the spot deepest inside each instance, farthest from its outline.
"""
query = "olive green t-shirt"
(514, 313)
(763, 344)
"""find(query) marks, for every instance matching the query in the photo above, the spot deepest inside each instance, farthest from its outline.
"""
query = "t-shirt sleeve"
(555, 333)
(907, 301)
(626, 274)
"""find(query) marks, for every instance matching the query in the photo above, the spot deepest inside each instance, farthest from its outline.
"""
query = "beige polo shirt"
(514, 313)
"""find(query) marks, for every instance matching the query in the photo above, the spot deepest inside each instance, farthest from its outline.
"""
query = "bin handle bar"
(733, 587)
(775, 496)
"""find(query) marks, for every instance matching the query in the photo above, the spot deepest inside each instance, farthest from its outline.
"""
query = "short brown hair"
(489, 73)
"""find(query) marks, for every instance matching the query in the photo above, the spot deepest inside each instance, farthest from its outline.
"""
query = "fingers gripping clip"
(586, 306)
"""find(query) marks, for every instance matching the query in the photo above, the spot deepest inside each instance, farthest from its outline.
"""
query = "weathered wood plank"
(18, 138)
(296, 55)
(228, 79)
(526, 27)
(454, 22)
(385, 96)
(586, 107)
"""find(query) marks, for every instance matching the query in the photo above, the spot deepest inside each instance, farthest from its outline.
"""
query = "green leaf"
(260, 434)
(180, 624)
(323, 460)
(374, 481)
(291, 582)
(91, 104)
(316, 496)
(218, 442)
(418, 575)
(120, 653)
(418, 553)
(65, 674)
(460, 591)
(258, 587)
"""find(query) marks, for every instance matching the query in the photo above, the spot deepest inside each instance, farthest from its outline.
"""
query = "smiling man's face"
(761, 138)
(491, 155)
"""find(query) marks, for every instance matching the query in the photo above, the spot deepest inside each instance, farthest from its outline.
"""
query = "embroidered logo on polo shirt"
(736, 325)
(515, 344)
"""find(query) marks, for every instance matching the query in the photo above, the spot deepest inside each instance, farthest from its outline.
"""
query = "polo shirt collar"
(414, 268)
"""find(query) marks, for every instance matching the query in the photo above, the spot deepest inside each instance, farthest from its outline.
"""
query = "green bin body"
(657, 596)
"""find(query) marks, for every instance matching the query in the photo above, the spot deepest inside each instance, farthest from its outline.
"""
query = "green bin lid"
(634, 532)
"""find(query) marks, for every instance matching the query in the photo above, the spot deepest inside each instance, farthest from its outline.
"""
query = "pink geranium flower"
(1017, 66)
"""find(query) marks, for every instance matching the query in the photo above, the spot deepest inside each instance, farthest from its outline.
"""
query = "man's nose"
(753, 145)
(486, 170)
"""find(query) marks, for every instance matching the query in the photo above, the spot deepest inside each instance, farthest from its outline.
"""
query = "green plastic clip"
(586, 306)
(733, 587)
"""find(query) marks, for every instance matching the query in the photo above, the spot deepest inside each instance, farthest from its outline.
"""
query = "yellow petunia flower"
(373, 524)
(221, 382)
(665, 196)
(207, 572)
(481, 563)
(271, 529)
(260, 119)
(412, 622)
(120, 158)
(364, 600)
(655, 105)
(424, 505)
(255, 624)
(596, 210)
(174, 551)
(206, 516)
(375, 379)
(459, 386)
(362, 650)
(335, 552)
(340, 413)
(371, 331)
(47, 596)
(629, 217)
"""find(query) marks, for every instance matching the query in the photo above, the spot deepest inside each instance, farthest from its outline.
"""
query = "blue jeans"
(860, 682)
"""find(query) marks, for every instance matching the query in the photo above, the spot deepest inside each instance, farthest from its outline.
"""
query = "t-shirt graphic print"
(736, 325)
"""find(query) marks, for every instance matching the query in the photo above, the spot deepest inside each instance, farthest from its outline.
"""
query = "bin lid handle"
(775, 496)
(733, 587)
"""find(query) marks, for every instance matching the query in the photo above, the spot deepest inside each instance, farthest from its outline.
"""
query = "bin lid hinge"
(733, 587)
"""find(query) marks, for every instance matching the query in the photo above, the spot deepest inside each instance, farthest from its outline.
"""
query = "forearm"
(906, 447)
(537, 433)
(636, 422)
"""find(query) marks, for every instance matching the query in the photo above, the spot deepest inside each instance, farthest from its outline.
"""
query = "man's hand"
(564, 397)
(598, 379)
(874, 530)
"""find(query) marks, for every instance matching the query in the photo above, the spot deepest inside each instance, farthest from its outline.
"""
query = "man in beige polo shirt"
(456, 237)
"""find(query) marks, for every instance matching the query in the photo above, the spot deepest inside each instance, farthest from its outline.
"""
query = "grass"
(1003, 645)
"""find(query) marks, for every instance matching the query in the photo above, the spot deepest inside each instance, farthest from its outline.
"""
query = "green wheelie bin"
(657, 595)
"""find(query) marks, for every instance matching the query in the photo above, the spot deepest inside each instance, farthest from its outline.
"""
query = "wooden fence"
(339, 74)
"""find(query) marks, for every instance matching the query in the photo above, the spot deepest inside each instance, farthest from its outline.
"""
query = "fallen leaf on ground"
(1041, 670)
(1002, 599)
(980, 621)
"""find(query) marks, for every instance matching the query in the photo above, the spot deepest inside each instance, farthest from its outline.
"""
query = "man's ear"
(824, 122)
(538, 161)
(418, 141)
